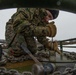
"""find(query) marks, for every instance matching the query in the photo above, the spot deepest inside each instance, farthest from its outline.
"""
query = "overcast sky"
(66, 24)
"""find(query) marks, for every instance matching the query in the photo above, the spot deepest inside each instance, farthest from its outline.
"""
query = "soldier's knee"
(15, 52)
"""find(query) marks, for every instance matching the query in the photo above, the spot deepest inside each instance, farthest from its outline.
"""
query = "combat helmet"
(54, 13)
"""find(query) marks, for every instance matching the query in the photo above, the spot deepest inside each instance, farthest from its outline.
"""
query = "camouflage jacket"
(30, 16)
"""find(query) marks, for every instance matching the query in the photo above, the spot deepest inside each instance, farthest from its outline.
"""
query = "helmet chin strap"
(49, 14)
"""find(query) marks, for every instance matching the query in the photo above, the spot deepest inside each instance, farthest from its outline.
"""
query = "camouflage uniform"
(9, 33)
(0, 52)
(28, 23)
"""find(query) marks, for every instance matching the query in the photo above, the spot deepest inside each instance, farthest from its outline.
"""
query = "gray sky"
(66, 24)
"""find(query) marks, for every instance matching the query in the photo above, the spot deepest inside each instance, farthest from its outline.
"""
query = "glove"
(55, 47)
(49, 45)
(52, 28)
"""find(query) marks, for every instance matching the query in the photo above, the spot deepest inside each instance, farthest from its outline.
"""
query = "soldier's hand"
(49, 45)
(52, 28)
(55, 47)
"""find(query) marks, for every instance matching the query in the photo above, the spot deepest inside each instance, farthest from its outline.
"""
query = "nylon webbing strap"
(9, 45)
(23, 45)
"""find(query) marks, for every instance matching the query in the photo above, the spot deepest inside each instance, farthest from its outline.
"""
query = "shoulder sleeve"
(21, 19)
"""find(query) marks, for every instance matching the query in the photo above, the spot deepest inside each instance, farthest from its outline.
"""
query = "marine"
(30, 24)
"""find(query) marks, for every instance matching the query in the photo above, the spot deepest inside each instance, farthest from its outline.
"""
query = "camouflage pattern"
(9, 33)
(0, 52)
(28, 22)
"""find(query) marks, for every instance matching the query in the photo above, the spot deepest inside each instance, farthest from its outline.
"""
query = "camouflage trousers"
(15, 48)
